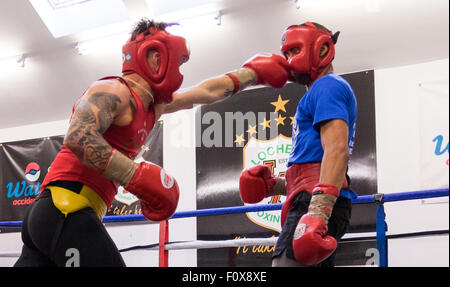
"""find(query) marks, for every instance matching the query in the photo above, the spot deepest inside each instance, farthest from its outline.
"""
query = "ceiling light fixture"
(12, 62)
(57, 4)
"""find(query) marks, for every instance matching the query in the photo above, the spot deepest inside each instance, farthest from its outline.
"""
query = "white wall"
(398, 151)
(397, 93)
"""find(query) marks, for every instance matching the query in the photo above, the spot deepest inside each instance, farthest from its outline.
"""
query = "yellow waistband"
(68, 201)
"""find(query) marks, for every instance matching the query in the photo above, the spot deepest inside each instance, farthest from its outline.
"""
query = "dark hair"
(145, 24)
(320, 27)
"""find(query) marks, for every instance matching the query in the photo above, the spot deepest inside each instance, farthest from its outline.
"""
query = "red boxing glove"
(311, 244)
(271, 69)
(256, 183)
(157, 191)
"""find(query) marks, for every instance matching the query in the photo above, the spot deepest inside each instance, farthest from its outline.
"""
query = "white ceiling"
(375, 34)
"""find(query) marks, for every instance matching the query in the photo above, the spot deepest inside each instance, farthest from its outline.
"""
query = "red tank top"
(126, 139)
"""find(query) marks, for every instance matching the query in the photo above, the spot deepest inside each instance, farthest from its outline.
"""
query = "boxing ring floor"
(164, 246)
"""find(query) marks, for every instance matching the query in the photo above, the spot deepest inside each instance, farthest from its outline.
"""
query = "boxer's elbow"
(92, 151)
(338, 151)
(72, 145)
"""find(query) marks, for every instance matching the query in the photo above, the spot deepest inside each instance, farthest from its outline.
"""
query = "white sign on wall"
(434, 135)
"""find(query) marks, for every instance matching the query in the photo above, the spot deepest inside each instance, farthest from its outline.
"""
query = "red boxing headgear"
(309, 39)
(173, 51)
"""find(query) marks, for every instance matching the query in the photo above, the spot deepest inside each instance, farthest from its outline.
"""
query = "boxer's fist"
(256, 183)
(157, 191)
(310, 243)
(270, 68)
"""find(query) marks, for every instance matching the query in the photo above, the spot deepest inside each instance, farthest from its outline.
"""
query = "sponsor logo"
(32, 172)
(440, 149)
(275, 154)
(24, 192)
(126, 57)
(299, 231)
(166, 180)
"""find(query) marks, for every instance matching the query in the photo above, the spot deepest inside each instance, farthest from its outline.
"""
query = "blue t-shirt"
(330, 97)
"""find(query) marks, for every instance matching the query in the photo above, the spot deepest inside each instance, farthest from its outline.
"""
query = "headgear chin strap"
(309, 39)
(173, 52)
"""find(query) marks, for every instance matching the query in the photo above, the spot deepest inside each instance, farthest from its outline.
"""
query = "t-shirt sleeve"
(331, 101)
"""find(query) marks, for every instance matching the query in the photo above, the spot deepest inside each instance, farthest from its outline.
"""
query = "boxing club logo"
(24, 192)
(275, 154)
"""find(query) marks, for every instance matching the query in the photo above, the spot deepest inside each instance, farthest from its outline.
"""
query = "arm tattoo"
(90, 120)
(228, 93)
(107, 105)
(247, 77)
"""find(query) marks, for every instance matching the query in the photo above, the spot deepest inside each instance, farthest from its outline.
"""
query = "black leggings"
(52, 239)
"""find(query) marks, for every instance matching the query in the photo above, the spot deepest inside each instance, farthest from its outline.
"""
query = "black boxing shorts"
(337, 225)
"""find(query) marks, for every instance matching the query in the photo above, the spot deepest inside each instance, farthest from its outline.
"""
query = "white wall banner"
(434, 136)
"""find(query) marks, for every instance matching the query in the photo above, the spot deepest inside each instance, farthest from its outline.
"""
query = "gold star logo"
(279, 104)
(265, 124)
(239, 139)
(292, 120)
(280, 120)
(251, 130)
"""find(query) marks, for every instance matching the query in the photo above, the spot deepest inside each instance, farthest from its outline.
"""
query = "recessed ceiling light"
(56, 4)
(67, 17)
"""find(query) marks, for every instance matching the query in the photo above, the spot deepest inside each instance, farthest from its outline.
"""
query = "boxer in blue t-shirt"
(317, 210)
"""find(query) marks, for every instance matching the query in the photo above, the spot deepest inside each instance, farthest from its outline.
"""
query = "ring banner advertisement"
(255, 127)
(434, 136)
(24, 165)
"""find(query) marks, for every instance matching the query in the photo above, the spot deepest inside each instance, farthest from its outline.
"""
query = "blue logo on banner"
(24, 191)
(440, 149)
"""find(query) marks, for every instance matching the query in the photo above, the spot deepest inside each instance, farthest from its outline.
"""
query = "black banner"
(255, 127)
(24, 165)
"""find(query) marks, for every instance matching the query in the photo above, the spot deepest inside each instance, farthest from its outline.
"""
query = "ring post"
(163, 238)
(381, 228)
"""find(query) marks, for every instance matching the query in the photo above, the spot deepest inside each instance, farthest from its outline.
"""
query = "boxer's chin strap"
(119, 168)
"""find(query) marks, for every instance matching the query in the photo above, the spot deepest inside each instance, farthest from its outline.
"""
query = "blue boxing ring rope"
(379, 199)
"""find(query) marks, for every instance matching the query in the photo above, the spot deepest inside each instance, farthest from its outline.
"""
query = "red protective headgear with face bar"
(309, 39)
(173, 51)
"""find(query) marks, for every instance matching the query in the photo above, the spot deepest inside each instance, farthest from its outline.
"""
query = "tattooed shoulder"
(107, 105)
